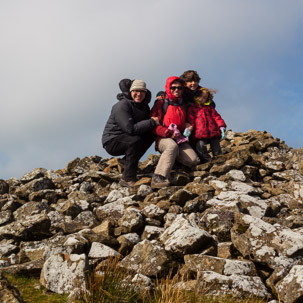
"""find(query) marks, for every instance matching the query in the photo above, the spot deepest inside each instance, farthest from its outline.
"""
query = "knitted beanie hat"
(138, 85)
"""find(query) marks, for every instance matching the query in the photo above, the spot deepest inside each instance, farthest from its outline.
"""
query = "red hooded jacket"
(175, 113)
(206, 122)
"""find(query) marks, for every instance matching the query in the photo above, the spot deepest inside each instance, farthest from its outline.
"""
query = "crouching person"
(171, 112)
(128, 128)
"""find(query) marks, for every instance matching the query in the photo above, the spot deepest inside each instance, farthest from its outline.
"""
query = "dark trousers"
(201, 148)
(133, 147)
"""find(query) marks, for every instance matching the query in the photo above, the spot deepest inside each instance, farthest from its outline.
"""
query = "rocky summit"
(234, 224)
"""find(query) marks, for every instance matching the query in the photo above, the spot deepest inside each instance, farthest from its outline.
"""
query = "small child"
(192, 86)
(208, 126)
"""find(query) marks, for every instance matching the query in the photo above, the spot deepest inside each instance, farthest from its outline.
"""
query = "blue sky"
(61, 62)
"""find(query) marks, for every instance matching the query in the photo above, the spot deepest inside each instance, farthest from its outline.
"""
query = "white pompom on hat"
(138, 85)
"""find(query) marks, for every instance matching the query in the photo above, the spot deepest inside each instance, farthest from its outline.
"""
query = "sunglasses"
(176, 87)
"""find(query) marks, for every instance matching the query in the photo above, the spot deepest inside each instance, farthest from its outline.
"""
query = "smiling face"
(203, 97)
(176, 89)
(138, 95)
(192, 85)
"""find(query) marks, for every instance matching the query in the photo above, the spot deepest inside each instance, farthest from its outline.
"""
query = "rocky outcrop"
(233, 224)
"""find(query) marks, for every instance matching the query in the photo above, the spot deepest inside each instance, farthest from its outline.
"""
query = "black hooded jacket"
(127, 116)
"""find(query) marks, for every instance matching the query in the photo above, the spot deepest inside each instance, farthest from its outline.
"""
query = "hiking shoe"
(125, 183)
(159, 181)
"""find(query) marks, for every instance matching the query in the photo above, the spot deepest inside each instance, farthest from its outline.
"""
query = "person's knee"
(135, 144)
(169, 146)
(172, 150)
(191, 161)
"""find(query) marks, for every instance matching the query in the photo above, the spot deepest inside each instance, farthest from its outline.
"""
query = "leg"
(215, 146)
(187, 156)
(131, 147)
(201, 149)
(169, 151)
(148, 139)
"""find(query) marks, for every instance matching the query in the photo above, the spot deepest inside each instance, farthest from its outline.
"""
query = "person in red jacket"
(170, 110)
(208, 126)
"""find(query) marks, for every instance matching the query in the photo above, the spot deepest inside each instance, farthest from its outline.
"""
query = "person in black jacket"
(127, 131)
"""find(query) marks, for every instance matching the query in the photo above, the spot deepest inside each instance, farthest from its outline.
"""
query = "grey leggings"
(201, 148)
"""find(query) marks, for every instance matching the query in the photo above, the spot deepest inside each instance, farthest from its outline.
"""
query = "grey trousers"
(201, 148)
(171, 152)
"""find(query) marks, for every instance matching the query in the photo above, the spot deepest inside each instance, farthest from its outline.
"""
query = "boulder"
(148, 258)
(62, 273)
(184, 237)
(290, 288)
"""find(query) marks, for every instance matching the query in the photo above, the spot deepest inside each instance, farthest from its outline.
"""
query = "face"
(192, 85)
(138, 95)
(176, 89)
(204, 97)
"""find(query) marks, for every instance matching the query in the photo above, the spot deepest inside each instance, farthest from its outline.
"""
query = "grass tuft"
(109, 282)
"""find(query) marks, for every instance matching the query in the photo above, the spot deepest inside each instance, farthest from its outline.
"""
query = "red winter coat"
(206, 122)
(175, 113)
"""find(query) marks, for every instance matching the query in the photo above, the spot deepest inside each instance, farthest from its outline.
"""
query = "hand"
(174, 136)
(186, 132)
(156, 119)
(222, 132)
(189, 126)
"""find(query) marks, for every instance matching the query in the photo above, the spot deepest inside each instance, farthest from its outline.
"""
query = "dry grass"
(111, 283)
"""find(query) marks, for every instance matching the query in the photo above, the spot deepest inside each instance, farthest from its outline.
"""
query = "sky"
(61, 62)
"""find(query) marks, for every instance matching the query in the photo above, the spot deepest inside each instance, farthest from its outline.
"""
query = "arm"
(219, 121)
(157, 111)
(123, 115)
(190, 117)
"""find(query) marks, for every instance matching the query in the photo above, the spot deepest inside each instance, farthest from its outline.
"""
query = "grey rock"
(4, 187)
(35, 227)
(290, 289)
(131, 221)
(101, 251)
(62, 273)
(148, 258)
(31, 208)
(5, 217)
(184, 237)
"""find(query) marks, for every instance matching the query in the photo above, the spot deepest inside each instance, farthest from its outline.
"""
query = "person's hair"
(181, 81)
(200, 92)
(190, 75)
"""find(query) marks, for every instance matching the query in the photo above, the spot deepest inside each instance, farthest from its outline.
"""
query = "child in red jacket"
(208, 126)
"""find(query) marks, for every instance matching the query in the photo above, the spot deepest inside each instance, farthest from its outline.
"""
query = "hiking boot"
(159, 181)
(125, 183)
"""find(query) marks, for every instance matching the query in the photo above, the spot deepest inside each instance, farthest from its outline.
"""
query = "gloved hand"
(186, 132)
(222, 132)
